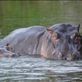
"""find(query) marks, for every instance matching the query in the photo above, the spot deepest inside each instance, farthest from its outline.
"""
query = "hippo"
(59, 41)
(4, 52)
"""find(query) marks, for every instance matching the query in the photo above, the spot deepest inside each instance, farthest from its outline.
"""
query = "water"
(17, 14)
(30, 69)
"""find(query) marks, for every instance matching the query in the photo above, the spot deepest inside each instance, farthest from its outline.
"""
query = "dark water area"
(30, 69)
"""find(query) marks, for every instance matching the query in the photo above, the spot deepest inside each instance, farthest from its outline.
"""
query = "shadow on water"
(28, 69)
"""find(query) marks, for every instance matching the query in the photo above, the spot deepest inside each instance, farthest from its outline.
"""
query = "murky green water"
(16, 14)
(28, 69)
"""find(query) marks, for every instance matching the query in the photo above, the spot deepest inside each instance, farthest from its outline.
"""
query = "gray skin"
(56, 42)
(6, 53)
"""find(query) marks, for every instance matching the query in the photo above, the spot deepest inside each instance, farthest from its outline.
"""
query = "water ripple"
(30, 69)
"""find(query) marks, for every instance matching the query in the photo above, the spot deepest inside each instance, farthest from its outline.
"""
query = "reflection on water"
(28, 69)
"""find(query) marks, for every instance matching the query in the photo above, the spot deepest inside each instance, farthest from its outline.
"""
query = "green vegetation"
(18, 14)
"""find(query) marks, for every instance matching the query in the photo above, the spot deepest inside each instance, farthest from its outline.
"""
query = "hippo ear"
(78, 27)
(52, 33)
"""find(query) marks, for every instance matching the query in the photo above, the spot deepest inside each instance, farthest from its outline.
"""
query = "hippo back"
(24, 40)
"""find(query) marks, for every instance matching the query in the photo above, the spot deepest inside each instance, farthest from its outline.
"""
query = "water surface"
(30, 69)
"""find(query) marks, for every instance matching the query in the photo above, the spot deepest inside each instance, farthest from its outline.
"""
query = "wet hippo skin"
(55, 42)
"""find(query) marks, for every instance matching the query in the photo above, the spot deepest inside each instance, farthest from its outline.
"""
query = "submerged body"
(56, 42)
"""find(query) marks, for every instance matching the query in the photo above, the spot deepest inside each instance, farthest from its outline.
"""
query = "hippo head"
(66, 40)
